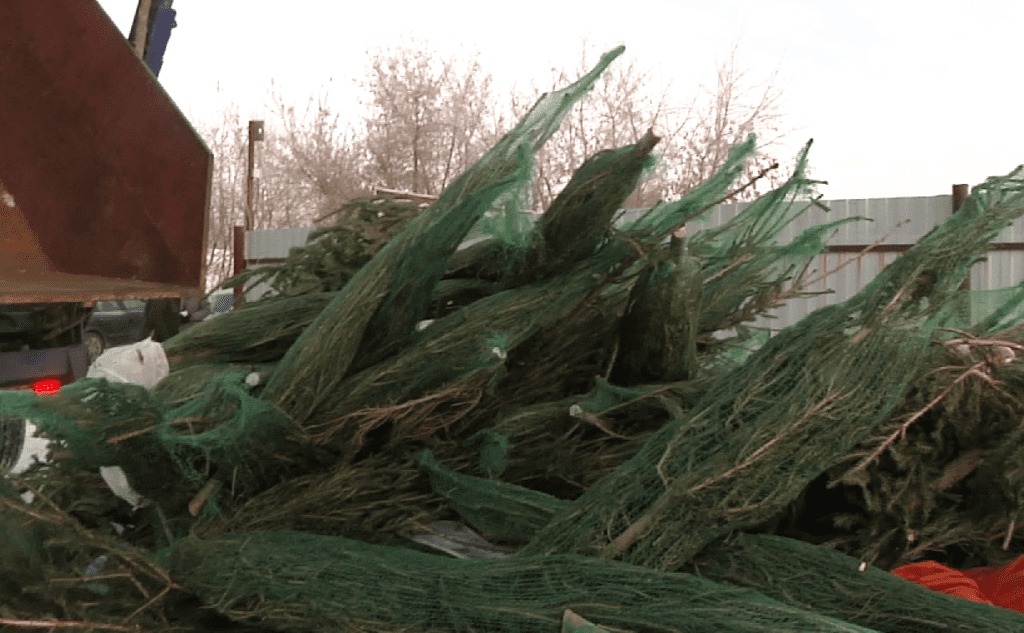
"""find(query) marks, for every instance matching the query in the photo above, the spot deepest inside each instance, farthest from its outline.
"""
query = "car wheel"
(94, 345)
(12, 440)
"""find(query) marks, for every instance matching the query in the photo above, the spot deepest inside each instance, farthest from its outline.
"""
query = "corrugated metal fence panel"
(838, 277)
(895, 220)
(274, 243)
(1002, 268)
(899, 221)
(1013, 233)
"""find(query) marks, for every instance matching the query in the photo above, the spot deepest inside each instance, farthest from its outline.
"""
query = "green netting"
(258, 333)
(347, 585)
(825, 581)
(370, 500)
(492, 507)
(666, 217)
(379, 308)
(659, 329)
(580, 217)
(941, 477)
(189, 382)
(168, 453)
(805, 576)
(458, 347)
(494, 449)
(797, 407)
(457, 350)
(226, 427)
(996, 310)
(511, 227)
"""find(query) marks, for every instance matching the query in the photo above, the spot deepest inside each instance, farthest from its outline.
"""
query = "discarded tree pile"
(579, 393)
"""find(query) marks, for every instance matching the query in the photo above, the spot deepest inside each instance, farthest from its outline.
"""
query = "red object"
(999, 586)
(45, 387)
(104, 185)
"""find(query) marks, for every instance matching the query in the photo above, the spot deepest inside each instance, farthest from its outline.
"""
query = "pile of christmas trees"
(557, 425)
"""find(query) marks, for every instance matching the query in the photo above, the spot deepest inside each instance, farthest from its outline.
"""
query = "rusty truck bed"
(104, 185)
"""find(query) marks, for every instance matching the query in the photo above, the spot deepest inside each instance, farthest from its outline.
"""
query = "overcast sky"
(902, 98)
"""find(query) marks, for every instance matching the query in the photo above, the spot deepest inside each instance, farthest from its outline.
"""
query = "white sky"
(902, 98)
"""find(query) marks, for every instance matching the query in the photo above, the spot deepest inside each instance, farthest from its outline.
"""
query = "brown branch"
(767, 446)
(860, 255)
(152, 601)
(131, 434)
(64, 624)
(726, 197)
(638, 527)
(959, 468)
(594, 420)
(902, 430)
(761, 174)
(737, 262)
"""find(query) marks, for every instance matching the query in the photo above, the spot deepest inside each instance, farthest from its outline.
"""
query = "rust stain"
(19, 248)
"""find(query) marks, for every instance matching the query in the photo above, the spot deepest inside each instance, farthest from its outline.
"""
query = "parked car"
(113, 323)
(220, 302)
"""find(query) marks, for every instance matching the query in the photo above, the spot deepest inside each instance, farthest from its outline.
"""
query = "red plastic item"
(938, 577)
(999, 586)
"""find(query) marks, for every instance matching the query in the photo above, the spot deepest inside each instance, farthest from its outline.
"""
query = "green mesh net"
(168, 453)
(389, 296)
(797, 407)
(841, 588)
(349, 585)
(493, 507)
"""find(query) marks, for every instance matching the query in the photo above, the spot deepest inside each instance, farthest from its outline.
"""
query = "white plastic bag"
(117, 481)
(143, 363)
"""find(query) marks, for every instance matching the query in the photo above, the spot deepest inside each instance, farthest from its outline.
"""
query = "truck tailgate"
(104, 185)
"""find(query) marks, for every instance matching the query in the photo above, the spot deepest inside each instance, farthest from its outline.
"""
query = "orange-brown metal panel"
(107, 177)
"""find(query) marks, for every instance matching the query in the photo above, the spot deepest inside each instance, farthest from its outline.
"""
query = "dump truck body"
(104, 186)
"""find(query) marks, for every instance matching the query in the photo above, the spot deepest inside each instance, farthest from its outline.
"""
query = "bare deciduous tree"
(426, 116)
(305, 168)
(696, 132)
(226, 138)
(723, 116)
(321, 157)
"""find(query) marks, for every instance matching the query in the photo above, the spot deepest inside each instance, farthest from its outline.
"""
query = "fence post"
(959, 196)
(239, 256)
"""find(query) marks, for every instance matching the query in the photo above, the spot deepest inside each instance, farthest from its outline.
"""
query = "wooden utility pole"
(960, 193)
(255, 134)
(252, 182)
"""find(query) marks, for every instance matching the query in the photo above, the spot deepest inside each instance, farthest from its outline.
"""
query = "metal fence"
(899, 221)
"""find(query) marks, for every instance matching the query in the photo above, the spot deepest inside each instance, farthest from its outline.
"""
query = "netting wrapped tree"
(376, 313)
(796, 408)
